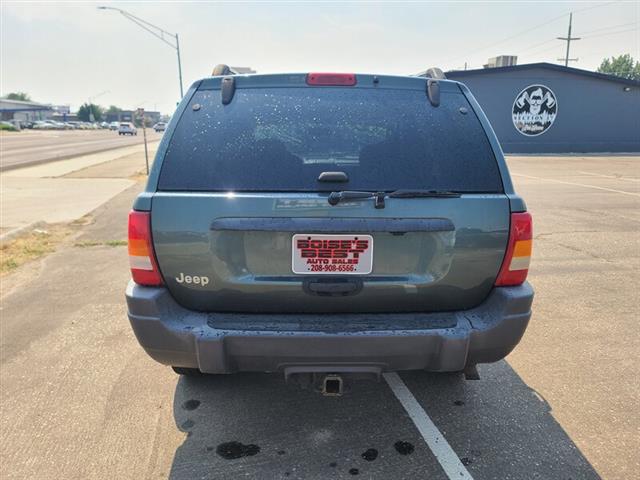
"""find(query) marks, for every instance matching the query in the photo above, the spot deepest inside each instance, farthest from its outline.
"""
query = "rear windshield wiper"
(422, 194)
(337, 197)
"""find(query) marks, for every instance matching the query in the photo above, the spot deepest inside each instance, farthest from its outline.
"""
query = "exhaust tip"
(332, 385)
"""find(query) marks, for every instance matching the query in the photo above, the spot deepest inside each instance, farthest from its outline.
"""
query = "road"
(29, 147)
(81, 400)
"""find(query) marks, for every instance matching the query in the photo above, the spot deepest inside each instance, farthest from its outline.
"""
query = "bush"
(8, 127)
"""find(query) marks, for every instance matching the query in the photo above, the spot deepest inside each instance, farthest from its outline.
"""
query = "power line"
(610, 27)
(531, 54)
(511, 37)
(535, 46)
(539, 52)
(612, 33)
(591, 7)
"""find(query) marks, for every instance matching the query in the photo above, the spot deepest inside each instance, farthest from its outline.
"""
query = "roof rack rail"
(227, 89)
(432, 75)
(433, 92)
(435, 73)
(221, 69)
(228, 85)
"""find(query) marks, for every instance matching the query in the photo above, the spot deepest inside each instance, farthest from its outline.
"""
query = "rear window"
(282, 139)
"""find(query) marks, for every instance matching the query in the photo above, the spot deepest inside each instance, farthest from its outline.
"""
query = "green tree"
(18, 96)
(113, 110)
(84, 112)
(621, 66)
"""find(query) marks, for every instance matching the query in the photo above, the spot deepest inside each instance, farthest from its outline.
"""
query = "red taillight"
(515, 265)
(331, 79)
(144, 268)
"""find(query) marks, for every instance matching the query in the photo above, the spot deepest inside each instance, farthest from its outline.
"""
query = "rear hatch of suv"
(242, 219)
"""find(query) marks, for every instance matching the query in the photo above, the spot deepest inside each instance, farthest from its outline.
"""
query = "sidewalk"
(66, 190)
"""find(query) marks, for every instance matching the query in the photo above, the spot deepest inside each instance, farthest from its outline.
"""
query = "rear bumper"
(227, 342)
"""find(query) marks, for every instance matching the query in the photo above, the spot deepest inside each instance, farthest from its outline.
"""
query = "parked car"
(104, 125)
(8, 126)
(160, 127)
(329, 224)
(114, 126)
(127, 128)
(53, 125)
(40, 125)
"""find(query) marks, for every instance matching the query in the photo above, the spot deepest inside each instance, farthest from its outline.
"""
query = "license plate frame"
(347, 254)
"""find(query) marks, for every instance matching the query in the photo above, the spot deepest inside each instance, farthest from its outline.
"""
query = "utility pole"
(568, 39)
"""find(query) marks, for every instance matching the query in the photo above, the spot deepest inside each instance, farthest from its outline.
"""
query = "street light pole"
(179, 65)
(156, 32)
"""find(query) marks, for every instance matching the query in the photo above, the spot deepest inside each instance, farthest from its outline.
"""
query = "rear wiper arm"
(422, 194)
(337, 197)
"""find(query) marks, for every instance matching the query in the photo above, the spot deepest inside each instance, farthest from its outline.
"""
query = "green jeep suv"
(323, 224)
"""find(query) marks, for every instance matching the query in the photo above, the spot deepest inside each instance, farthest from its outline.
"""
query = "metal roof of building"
(8, 105)
(543, 65)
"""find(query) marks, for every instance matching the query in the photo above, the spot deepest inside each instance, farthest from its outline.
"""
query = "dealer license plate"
(332, 254)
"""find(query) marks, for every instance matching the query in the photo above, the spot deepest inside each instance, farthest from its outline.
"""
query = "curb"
(16, 232)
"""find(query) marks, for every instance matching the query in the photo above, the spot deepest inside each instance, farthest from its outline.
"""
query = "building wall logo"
(534, 110)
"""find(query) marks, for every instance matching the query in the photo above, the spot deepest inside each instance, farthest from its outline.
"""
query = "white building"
(23, 111)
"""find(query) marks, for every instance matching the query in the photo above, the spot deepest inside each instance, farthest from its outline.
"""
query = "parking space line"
(441, 449)
(628, 179)
(576, 184)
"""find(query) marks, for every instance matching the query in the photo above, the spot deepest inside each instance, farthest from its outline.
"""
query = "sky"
(66, 53)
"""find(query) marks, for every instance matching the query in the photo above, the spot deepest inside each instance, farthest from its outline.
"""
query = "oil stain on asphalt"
(187, 424)
(191, 404)
(233, 450)
(404, 448)
(370, 455)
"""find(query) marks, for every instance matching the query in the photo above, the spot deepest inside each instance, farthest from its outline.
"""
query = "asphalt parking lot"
(81, 400)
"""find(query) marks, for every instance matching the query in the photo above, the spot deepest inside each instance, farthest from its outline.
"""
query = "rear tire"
(188, 372)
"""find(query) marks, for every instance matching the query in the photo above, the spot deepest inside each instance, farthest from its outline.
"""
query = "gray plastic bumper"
(231, 342)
